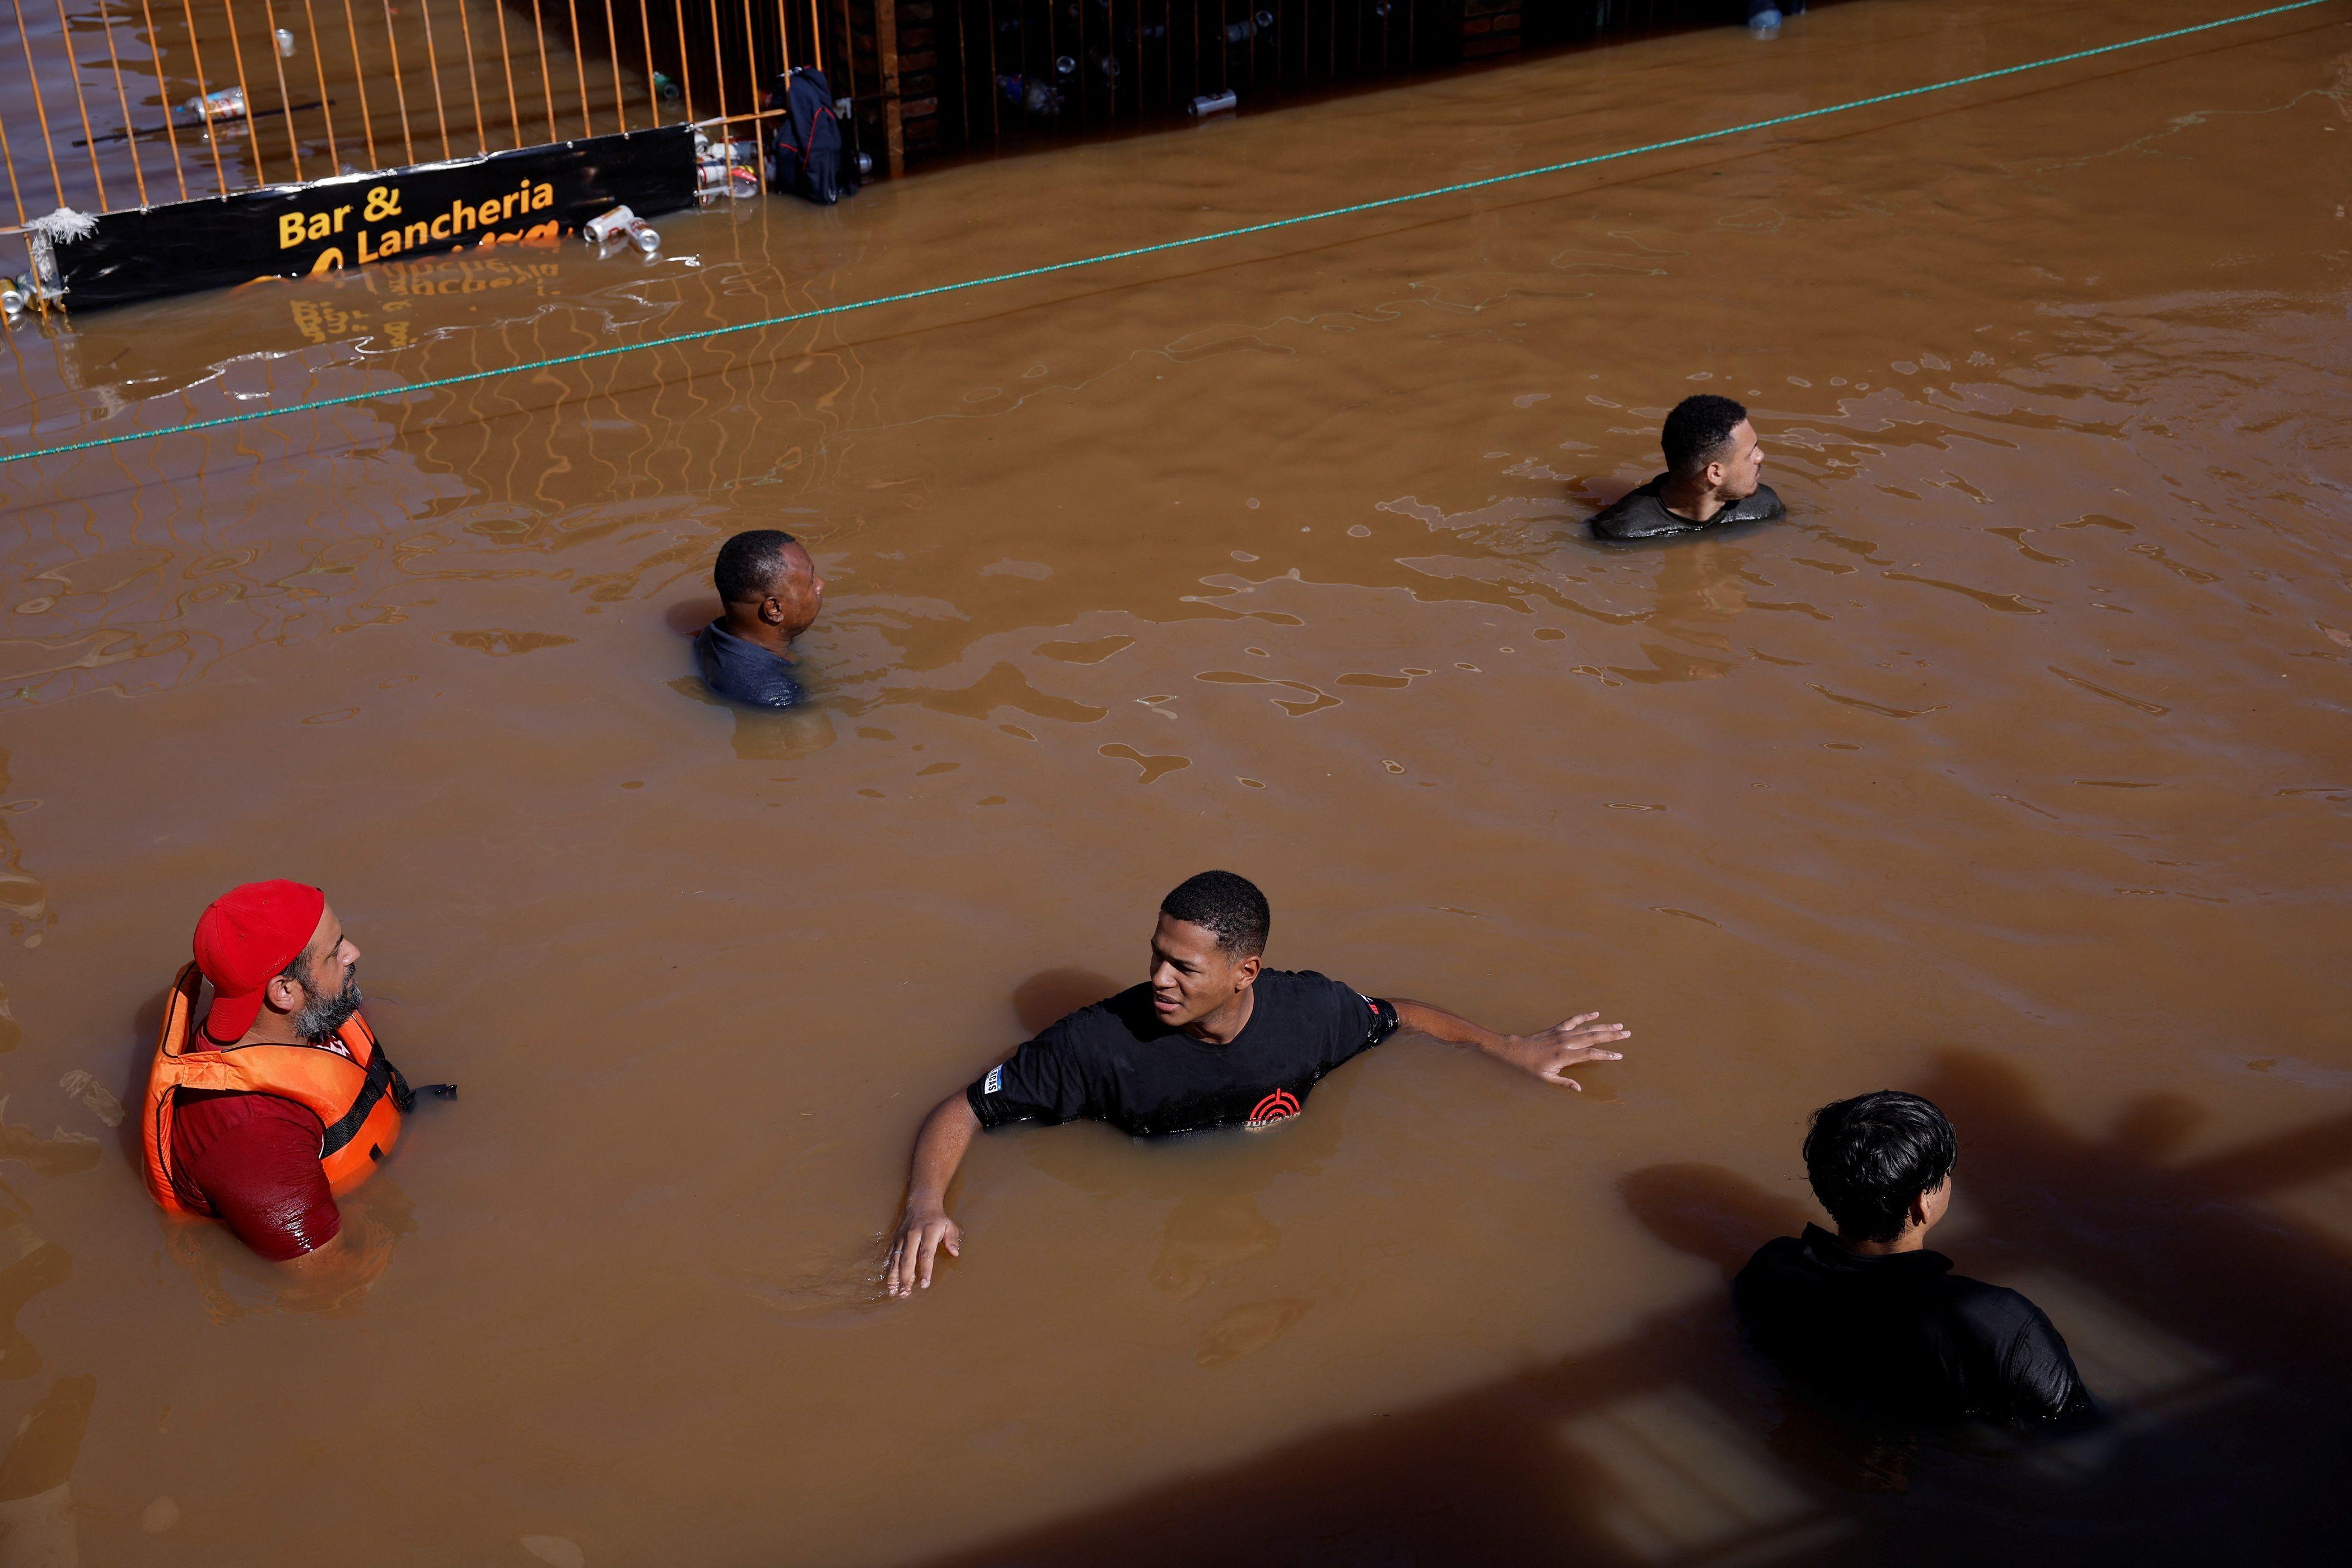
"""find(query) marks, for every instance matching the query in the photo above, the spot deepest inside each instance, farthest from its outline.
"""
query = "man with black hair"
(769, 591)
(1713, 461)
(1871, 1315)
(1211, 1038)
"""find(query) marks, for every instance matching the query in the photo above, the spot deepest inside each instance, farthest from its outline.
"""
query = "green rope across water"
(1053, 266)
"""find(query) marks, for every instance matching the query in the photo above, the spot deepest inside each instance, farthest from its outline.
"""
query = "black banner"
(534, 194)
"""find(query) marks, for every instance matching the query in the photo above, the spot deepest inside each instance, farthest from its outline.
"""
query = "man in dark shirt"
(1870, 1315)
(1211, 1038)
(770, 590)
(1713, 464)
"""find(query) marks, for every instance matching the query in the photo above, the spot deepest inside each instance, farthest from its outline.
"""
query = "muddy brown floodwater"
(2014, 768)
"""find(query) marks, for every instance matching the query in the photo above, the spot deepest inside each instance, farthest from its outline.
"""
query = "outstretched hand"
(1566, 1044)
(920, 1237)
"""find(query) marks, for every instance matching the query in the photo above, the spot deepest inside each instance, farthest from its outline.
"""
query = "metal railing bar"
(433, 71)
(546, 81)
(399, 87)
(73, 73)
(580, 70)
(360, 80)
(197, 54)
(653, 87)
(8, 159)
(718, 66)
(612, 49)
(277, 59)
(129, 133)
(685, 73)
(473, 78)
(252, 132)
(816, 36)
(505, 59)
(162, 96)
(319, 70)
(750, 57)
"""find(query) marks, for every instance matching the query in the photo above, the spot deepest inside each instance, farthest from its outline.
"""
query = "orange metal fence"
(108, 104)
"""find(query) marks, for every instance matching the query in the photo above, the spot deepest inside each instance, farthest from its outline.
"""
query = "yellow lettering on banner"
(383, 201)
(340, 212)
(440, 226)
(506, 206)
(541, 197)
(329, 260)
(542, 234)
(415, 235)
(289, 230)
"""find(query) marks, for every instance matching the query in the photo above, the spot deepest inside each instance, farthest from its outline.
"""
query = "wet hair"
(1869, 1158)
(1230, 907)
(748, 565)
(1697, 430)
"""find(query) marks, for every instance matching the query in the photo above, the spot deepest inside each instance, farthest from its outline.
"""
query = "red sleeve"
(255, 1159)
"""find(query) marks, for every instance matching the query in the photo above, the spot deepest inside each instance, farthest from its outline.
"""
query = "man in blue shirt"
(770, 590)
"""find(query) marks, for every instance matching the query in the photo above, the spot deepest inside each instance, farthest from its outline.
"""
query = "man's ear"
(772, 610)
(1245, 973)
(282, 994)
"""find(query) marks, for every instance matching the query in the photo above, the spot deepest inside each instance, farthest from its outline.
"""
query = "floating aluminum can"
(228, 103)
(1205, 105)
(607, 227)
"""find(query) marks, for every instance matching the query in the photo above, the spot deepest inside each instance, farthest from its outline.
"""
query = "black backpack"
(805, 155)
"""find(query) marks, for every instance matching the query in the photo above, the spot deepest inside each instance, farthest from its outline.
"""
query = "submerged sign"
(288, 231)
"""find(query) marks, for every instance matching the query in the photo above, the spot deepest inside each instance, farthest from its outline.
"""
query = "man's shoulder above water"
(1643, 514)
(742, 671)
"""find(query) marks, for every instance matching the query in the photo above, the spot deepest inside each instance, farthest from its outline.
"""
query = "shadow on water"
(2214, 1326)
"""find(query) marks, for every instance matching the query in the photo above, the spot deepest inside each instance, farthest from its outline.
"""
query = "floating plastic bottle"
(228, 103)
(1106, 65)
(1065, 65)
(286, 42)
(666, 86)
(1248, 27)
(1207, 104)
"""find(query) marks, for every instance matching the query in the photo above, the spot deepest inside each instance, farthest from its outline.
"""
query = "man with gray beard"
(281, 1097)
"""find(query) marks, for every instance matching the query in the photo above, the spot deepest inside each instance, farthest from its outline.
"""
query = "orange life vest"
(359, 1099)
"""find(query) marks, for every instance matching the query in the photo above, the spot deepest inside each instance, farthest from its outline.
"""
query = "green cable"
(1165, 245)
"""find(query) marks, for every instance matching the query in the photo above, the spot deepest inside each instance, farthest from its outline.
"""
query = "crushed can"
(605, 227)
(1207, 104)
(716, 179)
(228, 103)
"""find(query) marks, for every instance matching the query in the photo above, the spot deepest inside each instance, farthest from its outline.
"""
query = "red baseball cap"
(244, 940)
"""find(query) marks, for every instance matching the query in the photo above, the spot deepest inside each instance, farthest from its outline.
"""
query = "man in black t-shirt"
(1211, 1038)
(1713, 465)
(1872, 1316)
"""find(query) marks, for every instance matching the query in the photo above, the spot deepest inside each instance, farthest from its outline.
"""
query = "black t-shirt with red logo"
(1116, 1062)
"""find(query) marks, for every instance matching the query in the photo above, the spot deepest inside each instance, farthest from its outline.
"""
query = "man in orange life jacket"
(280, 1101)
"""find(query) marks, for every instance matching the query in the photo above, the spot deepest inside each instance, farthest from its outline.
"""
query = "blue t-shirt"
(743, 672)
